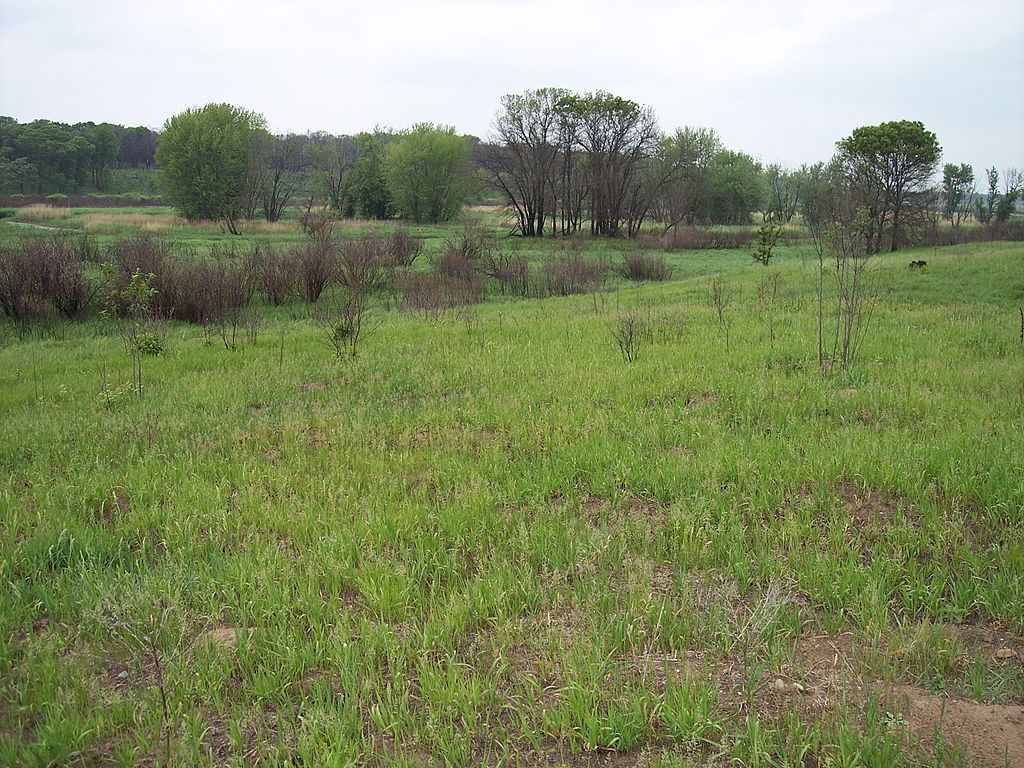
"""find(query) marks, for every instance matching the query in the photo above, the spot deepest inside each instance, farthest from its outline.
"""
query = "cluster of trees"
(995, 206)
(564, 161)
(220, 162)
(43, 156)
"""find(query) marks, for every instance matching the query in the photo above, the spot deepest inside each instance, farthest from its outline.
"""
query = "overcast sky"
(780, 80)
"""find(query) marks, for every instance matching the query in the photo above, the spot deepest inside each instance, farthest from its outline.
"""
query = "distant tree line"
(42, 156)
(562, 162)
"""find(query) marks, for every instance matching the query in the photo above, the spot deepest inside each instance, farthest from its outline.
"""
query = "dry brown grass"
(41, 212)
(107, 223)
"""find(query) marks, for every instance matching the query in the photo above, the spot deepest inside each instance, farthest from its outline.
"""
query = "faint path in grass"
(39, 226)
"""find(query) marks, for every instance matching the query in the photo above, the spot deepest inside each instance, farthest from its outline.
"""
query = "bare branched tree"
(347, 324)
(721, 297)
(844, 238)
(631, 331)
(525, 156)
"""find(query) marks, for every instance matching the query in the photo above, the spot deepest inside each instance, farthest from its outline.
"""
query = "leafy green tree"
(986, 206)
(957, 192)
(737, 187)
(331, 162)
(205, 156)
(427, 171)
(369, 191)
(16, 174)
(686, 196)
(784, 190)
(889, 165)
(1012, 188)
(44, 156)
(105, 146)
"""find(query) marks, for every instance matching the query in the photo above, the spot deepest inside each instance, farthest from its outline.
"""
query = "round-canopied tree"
(888, 166)
(428, 173)
(204, 158)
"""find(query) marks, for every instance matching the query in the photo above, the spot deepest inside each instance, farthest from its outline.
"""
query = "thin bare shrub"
(574, 274)
(144, 253)
(230, 292)
(851, 269)
(471, 245)
(402, 249)
(276, 272)
(316, 262)
(434, 293)
(631, 331)
(347, 324)
(60, 277)
(511, 271)
(213, 293)
(720, 296)
(87, 249)
(15, 282)
(41, 276)
(316, 221)
(639, 266)
(769, 303)
(360, 267)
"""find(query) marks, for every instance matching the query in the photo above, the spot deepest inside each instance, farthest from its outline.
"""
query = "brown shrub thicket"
(573, 274)
(639, 266)
(15, 282)
(317, 265)
(697, 239)
(432, 293)
(511, 271)
(360, 267)
(45, 276)
(276, 272)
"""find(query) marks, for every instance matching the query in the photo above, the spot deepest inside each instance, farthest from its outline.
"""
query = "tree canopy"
(205, 155)
(888, 165)
(427, 171)
(43, 156)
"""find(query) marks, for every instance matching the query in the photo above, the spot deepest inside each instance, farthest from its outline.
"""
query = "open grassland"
(489, 540)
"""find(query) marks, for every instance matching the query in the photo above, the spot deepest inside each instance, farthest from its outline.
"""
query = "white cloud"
(783, 80)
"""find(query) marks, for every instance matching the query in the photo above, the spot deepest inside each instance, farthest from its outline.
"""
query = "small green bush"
(151, 344)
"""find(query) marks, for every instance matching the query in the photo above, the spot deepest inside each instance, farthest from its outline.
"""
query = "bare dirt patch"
(868, 506)
(992, 734)
(224, 638)
(115, 504)
(997, 645)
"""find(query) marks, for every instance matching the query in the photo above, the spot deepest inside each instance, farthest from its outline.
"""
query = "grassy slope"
(487, 538)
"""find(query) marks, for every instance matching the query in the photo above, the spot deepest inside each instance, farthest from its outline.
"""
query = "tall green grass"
(487, 540)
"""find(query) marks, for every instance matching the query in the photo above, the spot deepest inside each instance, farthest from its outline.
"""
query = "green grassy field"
(489, 540)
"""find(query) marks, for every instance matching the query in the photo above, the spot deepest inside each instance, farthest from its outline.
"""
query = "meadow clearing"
(487, 539)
